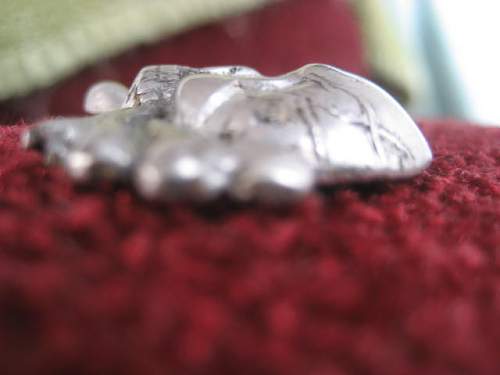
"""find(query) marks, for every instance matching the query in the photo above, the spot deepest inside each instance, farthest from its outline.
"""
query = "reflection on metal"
(185, 133)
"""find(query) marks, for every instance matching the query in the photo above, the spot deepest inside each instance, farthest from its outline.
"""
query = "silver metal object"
(186, 133)
(104, 96)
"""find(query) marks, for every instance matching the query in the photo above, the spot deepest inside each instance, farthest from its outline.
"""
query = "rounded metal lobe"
(104, 97)
(275, 179)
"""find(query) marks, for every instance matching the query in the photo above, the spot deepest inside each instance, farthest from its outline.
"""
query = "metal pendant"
(186, 133)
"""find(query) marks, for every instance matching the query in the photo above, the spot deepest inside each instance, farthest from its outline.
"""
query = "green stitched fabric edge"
(42, 42)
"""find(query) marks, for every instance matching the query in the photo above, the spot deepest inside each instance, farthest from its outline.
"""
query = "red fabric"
(394, 278)
(390, 278)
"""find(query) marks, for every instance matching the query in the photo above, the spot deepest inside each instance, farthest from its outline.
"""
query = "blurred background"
(437, 57)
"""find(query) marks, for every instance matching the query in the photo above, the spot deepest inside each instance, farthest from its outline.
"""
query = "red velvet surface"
(389, 278)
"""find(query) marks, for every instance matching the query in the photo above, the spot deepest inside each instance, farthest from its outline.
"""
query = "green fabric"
(43, 41)
(390, 60)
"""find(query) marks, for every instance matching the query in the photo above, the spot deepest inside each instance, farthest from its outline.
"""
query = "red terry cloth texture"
(388, 278)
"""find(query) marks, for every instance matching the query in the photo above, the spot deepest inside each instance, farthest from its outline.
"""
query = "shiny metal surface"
(186, 133)
(104, 97)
